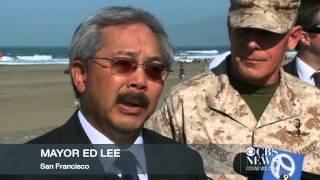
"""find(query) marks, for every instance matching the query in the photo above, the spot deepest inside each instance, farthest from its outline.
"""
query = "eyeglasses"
(126, 66)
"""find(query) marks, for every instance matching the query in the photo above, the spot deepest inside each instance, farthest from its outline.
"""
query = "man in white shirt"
(306, 65)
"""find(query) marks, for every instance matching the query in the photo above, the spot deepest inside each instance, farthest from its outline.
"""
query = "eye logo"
(282, 161)
(250, 151)
(285, 177)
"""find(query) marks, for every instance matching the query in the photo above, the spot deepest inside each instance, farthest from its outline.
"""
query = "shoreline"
(33, 97)
(37, 98)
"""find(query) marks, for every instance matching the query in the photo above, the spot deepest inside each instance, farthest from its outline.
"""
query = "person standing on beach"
(247, 100)
(306, 65)
(181, 72)
(119, 61)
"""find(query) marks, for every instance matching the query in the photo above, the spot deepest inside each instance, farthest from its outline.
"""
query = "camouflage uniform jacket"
(208, 110)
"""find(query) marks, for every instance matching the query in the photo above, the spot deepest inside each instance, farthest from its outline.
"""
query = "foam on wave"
(35, 57)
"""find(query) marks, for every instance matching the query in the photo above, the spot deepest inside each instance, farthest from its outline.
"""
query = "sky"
(52, 22)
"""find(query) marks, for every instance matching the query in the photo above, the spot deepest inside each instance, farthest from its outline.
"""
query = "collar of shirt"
(305, 71)
(218, 59)
(97, 137)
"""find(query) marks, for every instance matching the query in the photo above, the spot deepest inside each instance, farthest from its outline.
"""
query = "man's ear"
(78, 70)
(305, 38)
(294, 36)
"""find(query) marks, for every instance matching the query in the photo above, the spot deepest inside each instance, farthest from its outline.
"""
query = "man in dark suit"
(306, 65)
(119, 61)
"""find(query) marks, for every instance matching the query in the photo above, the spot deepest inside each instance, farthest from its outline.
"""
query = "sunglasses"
(126, 66)
(313, 30)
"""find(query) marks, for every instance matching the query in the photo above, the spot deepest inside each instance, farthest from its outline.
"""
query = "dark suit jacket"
(291, 67)
(72, 133)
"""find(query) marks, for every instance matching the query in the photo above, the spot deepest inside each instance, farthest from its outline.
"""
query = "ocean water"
(33, 55)
(58, 55)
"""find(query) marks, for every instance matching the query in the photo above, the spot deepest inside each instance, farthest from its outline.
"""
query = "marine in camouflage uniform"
(207, 109)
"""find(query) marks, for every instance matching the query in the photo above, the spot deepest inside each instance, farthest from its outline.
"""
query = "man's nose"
(252, 41)
(253, 45)
(138, 79)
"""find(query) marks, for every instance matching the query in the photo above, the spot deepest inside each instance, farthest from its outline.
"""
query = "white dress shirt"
(305, 71)
(97, 137)
(218, 59)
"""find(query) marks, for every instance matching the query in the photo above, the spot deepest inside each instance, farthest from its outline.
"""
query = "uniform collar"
(222, 97)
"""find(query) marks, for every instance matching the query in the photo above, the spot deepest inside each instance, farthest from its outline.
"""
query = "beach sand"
(37, 98)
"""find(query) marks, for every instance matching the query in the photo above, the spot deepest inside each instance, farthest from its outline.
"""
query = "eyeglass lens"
(154, 71)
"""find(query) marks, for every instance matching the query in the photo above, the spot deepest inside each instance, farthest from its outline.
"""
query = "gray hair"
(87, 39)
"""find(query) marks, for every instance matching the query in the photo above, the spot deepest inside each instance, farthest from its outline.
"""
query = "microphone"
(256, 164)
(242, 166)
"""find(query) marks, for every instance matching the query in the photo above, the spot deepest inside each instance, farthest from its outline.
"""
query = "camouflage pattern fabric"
(277, 16)
(208, 110)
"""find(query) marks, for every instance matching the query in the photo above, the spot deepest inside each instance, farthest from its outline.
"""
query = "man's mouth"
(132, 103)
(131, 108)
(250, 59)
